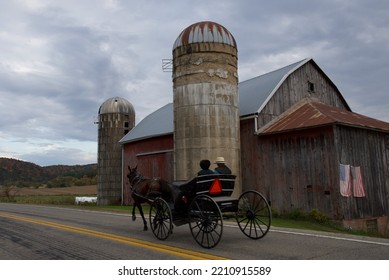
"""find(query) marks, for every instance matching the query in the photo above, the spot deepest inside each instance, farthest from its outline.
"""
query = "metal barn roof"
(253, 96)
(157, 123)
(311, 113)
(256, 92)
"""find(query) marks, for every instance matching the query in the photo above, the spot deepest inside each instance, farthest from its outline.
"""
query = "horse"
(144, 190)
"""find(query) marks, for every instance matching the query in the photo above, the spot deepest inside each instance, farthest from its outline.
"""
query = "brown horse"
(145, 190)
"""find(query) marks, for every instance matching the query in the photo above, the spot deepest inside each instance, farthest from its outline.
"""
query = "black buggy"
(202, 203)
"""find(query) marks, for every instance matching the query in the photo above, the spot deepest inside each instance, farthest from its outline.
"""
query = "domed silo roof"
(116, 105)
(205, 32)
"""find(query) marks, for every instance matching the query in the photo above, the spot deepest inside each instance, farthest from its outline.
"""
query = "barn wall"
(154, 158)
(295, 88)
(299, 170)
(249, 157)
(370, 150)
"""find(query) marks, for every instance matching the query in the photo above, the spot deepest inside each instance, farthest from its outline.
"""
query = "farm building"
(295, 130)
(300, 143)
(116, 118)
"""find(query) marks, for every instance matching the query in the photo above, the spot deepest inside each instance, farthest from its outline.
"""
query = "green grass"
(41, 199)
(308, 225)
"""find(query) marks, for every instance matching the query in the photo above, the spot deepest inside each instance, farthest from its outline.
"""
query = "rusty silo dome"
(116, 105)
(205, 32)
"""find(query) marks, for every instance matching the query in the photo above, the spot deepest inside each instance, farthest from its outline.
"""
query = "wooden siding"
(295, 88)
(154, 158)
(249, 157)
(368, 149)
(298, 170)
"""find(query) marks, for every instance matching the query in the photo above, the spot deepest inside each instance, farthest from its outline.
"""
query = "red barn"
(297, 136)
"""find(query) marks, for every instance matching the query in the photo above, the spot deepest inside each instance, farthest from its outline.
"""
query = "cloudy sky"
(60, 60)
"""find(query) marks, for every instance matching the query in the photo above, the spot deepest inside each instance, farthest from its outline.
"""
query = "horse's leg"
(133, 212)
(143, 216)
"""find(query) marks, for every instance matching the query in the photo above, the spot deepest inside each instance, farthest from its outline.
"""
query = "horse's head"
(132, 173)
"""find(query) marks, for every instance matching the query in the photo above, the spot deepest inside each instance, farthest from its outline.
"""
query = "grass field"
(75, 190)
(57, 196)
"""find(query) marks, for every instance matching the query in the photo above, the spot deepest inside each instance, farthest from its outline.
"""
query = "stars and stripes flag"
(358, 188)
(345, 182)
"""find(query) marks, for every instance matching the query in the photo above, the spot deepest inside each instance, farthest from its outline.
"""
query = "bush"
(7, 193)
(61, 182)
(317, 216)
(297, 214)
(314, 215)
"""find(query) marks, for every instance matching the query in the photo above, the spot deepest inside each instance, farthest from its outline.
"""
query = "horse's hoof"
(133, 218)
(145, 229)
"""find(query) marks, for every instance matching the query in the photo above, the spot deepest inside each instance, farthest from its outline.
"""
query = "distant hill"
(22, 173)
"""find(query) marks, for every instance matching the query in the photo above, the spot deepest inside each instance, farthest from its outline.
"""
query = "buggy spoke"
(160, 218)
(259, 226)
(205, 221)
(253, 215)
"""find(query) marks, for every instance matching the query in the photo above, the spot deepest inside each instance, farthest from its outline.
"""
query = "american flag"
(345, 183)
(358, 189)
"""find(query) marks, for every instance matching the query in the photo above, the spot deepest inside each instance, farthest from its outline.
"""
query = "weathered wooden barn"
(296, 131)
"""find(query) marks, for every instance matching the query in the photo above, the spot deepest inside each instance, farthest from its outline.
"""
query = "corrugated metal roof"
(116, 105)
(310, 113)
(256, 92)
(253, 96)
(157, 123)
(203, 32)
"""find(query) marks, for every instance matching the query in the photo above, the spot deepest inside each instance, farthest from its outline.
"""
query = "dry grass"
(75, 190)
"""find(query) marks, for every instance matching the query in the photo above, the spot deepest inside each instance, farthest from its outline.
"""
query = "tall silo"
(205, 96)
(116, 118)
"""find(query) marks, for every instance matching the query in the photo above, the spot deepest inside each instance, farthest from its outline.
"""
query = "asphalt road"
(31, 232)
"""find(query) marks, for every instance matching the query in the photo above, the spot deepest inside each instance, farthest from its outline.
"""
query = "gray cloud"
(59, 61)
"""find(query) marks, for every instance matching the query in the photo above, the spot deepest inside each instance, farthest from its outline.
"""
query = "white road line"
(322, 236)
(331, 237)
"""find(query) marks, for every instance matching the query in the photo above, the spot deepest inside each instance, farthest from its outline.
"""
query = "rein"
(135, 181)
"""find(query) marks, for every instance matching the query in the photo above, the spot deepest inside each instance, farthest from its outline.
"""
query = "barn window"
(126, 124)
(311, 87)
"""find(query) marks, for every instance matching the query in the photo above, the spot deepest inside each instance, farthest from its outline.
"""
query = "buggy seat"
(204, 185)
(215, 185)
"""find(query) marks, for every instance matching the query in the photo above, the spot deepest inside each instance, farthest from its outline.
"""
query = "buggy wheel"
(160, 219)
(254, 214)
(205, 221)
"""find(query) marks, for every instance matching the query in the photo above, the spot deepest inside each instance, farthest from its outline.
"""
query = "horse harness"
(150, 193)
(135, 181)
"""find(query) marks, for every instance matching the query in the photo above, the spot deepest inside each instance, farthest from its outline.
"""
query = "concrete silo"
(205, 97)
(116, 118)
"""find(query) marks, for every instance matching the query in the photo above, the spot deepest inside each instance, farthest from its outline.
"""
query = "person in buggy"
(205, 164)
(222, 168)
